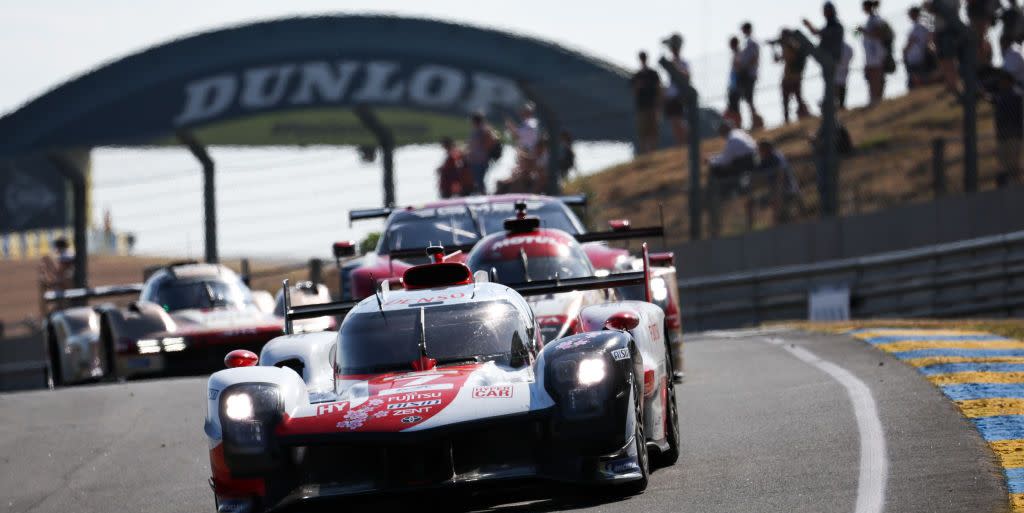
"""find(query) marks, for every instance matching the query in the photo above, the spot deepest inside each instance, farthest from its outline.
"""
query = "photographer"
(793, 65)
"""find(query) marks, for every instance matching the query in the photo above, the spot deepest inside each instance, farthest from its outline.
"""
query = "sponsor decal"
(426, 300)
(523, 240)
(493, 391)
(620, 354)
(310, 83)
(416, 388)
(214, 393)
(328, 409)
(413, 404)
(574, 343)
(410, 420)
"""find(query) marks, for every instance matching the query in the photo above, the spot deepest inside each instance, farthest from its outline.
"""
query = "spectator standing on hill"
(481, 146)
(646, 84)
(917, 55)
(732, 93)
(793, 63)
(832, 43)
(526, 135)
(1013, 21)
(452, 175)
(874, 33)
(1009, 120)
(567, 159)
(946, 42)
(747, 71)
(981, 14)
(674, 94)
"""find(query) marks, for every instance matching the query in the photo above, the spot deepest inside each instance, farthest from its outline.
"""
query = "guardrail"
(977, 277)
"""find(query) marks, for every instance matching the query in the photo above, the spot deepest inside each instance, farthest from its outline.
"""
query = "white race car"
(447, 383)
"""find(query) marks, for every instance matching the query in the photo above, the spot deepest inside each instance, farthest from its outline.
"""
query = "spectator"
(526, 135)
(1013, 21)
(729, 169)
(732, 110)
(832, 43)
(842, 74)
(567, 159)
(674, 93)
(785, 189)
(646, 86)
(1013, 61)
(481, 146)
(793, 63)
(947, 41)
(453, 179)
(746, 76)
(1009, 121)
(59, 272)
(874, 34)
(917, 55)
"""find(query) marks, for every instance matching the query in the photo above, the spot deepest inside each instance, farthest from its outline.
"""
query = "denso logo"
(413, 404)
(297, 84)
(492, 391)
(524, 240)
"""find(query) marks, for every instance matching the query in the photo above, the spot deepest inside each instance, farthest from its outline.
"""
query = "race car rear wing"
(624, 234)
(368, 213)
(297, 313)
(92, 292)
(574, 200)
(422, 252)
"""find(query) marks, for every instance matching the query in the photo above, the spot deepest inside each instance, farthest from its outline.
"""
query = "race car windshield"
(179, 295)
(552, 215)
(457, 333)
(455, 228)
(526, 268)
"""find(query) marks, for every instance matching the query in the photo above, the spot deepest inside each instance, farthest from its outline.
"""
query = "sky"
(46, 42)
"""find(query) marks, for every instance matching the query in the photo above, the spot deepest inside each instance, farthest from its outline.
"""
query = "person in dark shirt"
(567, 157)
(646, 86)
(831, 35)
(1009, 121)
(793, 62)
(453, 176)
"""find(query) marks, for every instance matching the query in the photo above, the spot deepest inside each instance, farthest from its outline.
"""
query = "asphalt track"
(764, 430)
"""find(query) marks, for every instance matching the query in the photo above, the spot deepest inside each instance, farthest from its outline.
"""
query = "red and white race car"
(461, 223)
(447, 383)
(186, 318)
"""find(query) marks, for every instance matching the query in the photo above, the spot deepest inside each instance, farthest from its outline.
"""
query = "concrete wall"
(944, 220)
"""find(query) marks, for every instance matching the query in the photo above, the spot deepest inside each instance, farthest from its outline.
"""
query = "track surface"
(762, 431)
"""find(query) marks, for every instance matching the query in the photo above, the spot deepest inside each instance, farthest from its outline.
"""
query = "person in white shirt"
(874, 51)
(916, 53)
(1013, 62)
(674, 108)
(749, 60)
(738, 155)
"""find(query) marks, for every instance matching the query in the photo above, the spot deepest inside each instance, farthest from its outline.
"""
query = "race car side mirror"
(622, 321)
(619, 225)
(240, 358)
(345, 248)
(663, 259)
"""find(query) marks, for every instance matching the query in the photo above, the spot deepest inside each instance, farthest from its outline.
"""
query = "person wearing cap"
(749, 60)
(674, 94)
(479, 150)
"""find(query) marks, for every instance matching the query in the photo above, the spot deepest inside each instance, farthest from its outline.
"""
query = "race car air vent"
(444, 274)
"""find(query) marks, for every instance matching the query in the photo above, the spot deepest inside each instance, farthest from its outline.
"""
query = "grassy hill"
(892, 165)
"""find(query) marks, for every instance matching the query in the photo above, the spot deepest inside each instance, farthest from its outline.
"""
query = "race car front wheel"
(671, 455)
(639, 445)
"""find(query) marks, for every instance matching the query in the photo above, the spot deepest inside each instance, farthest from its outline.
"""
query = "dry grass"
(892, 165)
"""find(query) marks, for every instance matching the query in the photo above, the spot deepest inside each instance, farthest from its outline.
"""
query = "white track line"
(874, 463)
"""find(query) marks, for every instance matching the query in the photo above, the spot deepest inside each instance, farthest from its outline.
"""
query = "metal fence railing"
(977, 277)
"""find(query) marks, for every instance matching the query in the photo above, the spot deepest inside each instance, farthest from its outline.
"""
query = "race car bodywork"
(445, 384)
(462, 222)
(185, 318)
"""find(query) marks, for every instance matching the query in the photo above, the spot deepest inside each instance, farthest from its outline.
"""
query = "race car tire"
(55, 369)
(108, 355)
(669, 456)
(640, 445)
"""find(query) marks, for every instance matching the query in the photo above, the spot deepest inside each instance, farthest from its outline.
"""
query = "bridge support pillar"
(209, 192)
(386, 140)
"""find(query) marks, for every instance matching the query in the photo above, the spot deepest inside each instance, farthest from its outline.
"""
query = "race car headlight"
(590, 371)
(659, 291)
(249, 413)
(238, 406)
